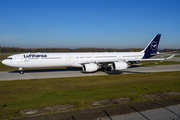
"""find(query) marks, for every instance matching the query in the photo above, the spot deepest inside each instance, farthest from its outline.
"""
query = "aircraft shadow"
(47, 70)
(73, 69)
(145, 117)
(122, 72)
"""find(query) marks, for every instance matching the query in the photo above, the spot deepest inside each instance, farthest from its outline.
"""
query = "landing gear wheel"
(21, 72)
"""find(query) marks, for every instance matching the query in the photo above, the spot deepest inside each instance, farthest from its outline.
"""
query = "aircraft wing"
(160, 59)
(126, 60)
(99, 61)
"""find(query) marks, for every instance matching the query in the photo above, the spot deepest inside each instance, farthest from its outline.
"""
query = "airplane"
(88, 61)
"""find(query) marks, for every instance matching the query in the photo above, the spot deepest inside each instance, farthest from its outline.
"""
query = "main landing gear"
(21, 71)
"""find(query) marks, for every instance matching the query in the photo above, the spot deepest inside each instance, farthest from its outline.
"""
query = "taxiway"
(56, 73)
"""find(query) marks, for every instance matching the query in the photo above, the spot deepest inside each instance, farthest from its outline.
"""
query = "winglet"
(170, 57)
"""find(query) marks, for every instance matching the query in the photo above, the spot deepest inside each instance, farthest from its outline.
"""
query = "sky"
(89, 23)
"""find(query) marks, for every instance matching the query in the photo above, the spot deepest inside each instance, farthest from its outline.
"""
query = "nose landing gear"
(21, 71)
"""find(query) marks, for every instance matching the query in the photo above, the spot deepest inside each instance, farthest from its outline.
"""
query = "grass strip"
(81, 91)
(177, 55)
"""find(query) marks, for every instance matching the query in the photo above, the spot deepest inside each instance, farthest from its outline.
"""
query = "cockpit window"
(9, 58)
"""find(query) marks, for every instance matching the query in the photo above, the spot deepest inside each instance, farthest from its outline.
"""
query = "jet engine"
(121, 65)
(90, 67)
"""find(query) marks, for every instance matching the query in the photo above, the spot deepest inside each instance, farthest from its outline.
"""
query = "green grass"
(177, 55)
(81, 91)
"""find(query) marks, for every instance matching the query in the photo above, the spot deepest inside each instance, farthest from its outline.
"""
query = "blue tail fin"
(152, 47)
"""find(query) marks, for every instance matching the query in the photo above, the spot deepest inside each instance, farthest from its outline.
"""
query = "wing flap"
(98, 61)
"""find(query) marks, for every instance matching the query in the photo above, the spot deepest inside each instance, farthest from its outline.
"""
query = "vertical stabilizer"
(151, 48)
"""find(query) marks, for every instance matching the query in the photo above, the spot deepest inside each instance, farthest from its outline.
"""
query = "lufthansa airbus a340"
(90, 62)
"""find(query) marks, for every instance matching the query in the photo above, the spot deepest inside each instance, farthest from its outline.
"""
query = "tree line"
(17, 49)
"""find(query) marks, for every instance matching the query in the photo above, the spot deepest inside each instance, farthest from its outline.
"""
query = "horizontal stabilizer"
(170, 57)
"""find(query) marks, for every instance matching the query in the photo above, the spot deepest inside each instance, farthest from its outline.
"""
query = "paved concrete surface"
(117, 110)
(169, 113)
(175, 59)
(36, 74)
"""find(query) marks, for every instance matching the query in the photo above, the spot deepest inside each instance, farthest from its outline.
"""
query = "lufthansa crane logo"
(154, 45)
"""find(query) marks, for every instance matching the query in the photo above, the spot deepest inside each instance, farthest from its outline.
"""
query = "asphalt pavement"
(57, 73)
(166, 113)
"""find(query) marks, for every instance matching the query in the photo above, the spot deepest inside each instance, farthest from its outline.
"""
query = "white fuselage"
(90, 62)
(37, 60)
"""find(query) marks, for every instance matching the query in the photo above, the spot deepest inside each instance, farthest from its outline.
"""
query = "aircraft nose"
(4, 62)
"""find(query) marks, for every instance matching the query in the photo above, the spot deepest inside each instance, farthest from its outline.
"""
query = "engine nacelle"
(121, 65)
(90, 67)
